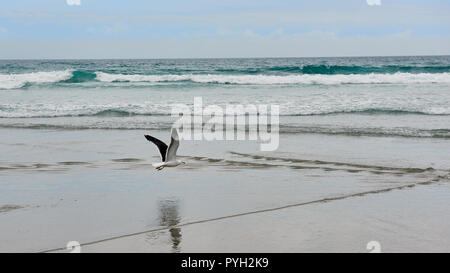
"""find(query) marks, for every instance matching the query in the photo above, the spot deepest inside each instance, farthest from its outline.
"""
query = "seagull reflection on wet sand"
(169, 217)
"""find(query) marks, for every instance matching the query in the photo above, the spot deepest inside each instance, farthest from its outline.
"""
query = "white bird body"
(168, 153)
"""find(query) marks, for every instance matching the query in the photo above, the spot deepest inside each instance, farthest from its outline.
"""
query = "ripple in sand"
(73, 163)
(7, 208)
(126, 160)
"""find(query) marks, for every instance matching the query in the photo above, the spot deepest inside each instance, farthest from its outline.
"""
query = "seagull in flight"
(168, 154)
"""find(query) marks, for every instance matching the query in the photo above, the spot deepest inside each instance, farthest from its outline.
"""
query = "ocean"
(364, 155)
(399, 96)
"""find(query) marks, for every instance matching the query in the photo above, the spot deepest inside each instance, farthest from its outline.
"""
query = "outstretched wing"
(162, 147)
(173, 147)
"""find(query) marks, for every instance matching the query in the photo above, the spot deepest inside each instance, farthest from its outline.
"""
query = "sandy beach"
(315, 193)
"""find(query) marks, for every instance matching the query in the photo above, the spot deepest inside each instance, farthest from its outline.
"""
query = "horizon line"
(212, 58)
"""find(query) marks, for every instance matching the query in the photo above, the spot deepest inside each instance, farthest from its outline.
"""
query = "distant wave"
(314, 75)
(397, 78)
(341, 69)
(52, 111)
(387, 69)
(6, 112)
(112, 113)
(15, 81)
(443, 133)
(378, 111)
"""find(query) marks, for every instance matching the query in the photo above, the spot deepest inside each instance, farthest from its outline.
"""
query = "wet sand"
(316, 193)
(355, 221)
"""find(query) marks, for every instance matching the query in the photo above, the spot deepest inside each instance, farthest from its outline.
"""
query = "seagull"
(168, 154)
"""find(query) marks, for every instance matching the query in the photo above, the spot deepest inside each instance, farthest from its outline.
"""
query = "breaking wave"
(340, 69)
(17, 81)
(396, 78)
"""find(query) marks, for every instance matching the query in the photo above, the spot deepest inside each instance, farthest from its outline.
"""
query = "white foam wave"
(14, 81)
(397, 78)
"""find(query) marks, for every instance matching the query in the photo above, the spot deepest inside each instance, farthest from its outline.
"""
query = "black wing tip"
(151, 139)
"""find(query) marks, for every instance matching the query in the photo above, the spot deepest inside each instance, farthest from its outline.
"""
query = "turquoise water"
(394, 96)
(363, 155)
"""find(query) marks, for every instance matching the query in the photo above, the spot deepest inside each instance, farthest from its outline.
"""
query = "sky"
(90, 29)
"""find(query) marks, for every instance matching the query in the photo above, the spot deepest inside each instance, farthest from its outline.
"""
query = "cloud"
(374, 2)
(73, 2)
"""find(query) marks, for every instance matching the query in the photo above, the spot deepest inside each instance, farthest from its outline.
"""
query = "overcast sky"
(228, 28)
